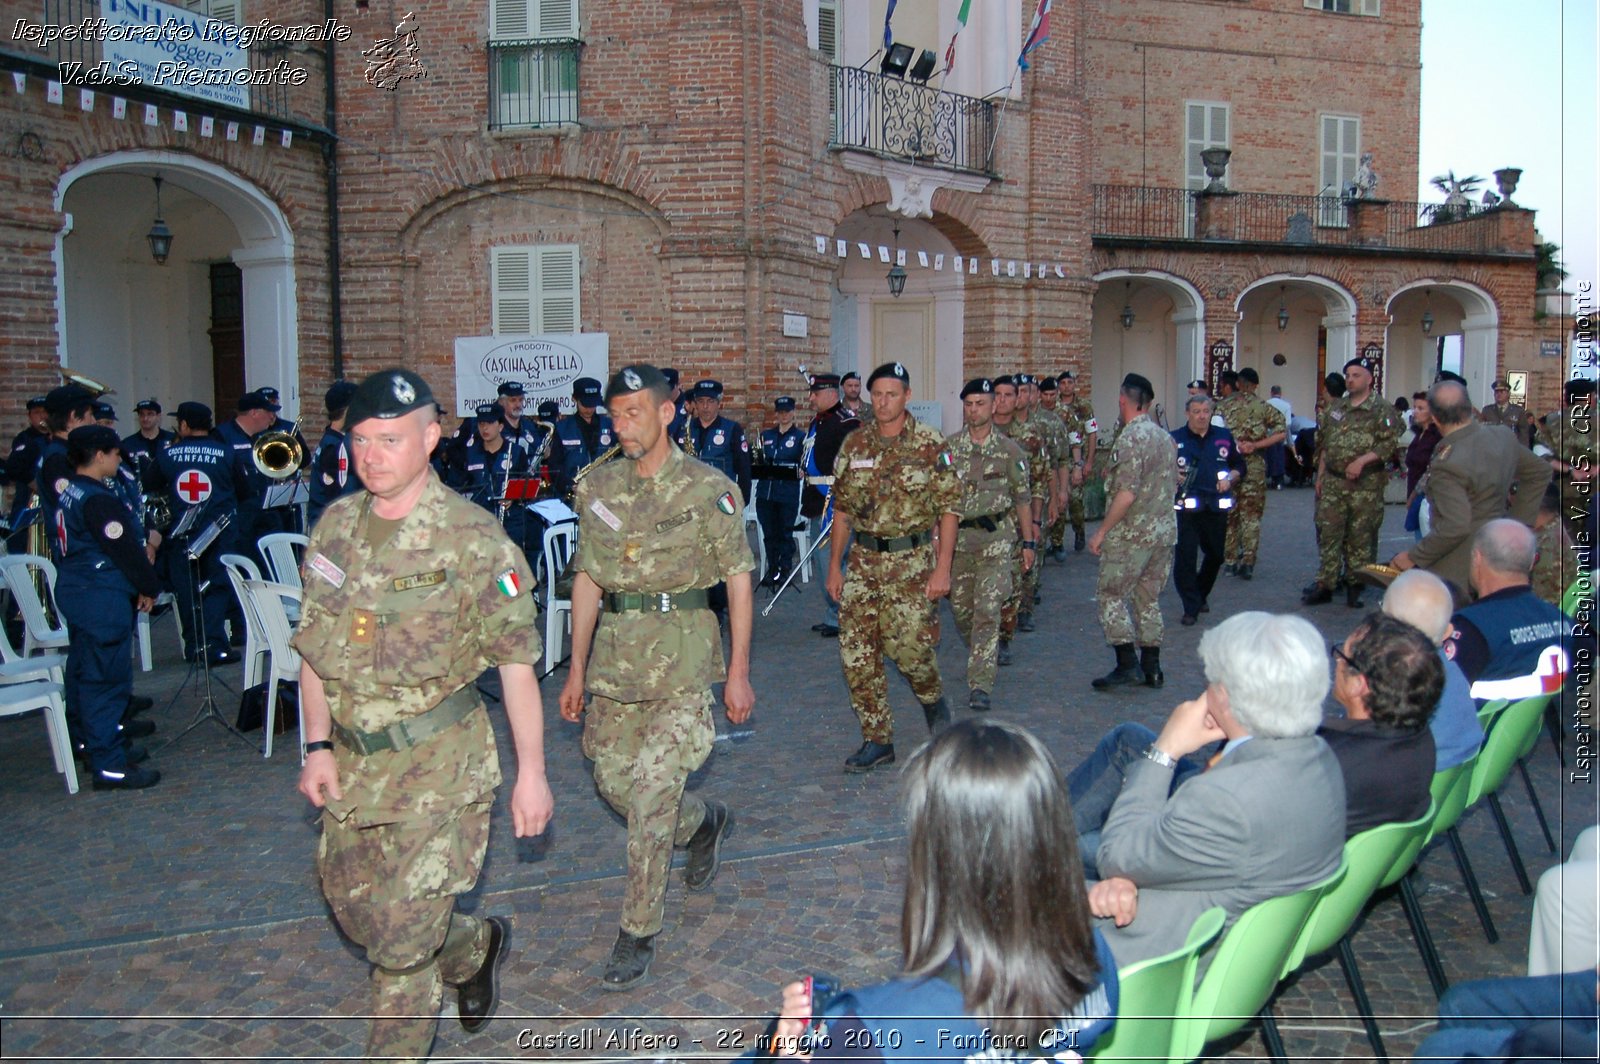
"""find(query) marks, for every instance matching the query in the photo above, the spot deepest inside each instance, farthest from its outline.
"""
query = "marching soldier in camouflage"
(657, 532)
(996, 501)
(1355, 435)
(410, 593)
(1083, 436)
(1255, 426)
(1135, 541)
(895, 490)
(1018, 612)
(1059, 453)
(1569, 435)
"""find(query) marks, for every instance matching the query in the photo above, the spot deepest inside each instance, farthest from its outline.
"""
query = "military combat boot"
(1003, 655)
(978, 701)
(1150, 665)
(705, 847)
(476, 998)
(1126, 674)
(937, 714)
(630, 961)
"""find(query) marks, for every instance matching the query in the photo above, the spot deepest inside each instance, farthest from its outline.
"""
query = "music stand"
(195, 550)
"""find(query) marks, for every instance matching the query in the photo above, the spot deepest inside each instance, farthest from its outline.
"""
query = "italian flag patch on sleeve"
(726, 504)
(510, 583)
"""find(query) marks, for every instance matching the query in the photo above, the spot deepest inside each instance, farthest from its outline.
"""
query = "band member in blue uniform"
(23, 462)
(140, 449)
(778, 493)
(719, 442)
(481, 468)
(825, 435)
(332, 473)
(516, 427)
(103, 576)
(680, 406)
(196, 471)
(256, 414)
(581, 437)
(70, 407)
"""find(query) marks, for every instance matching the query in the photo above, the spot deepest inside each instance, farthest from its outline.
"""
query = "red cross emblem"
(195, 487)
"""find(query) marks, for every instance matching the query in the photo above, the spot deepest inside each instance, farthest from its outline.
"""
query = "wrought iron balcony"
(1137, 213)
(897, 119)
(533, 83)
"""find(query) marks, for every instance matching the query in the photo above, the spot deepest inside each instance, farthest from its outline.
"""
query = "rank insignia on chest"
(673, 522)
(726, 504)
(1337, 415)
(510, 583)
(363, 626)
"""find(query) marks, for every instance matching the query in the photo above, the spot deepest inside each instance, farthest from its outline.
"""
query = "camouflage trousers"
(1348, 519)
(886, 612)
(1244, 523)
(980, 583)
(393, 888)
(1129, 592)
(643, 753)
(1056, 534)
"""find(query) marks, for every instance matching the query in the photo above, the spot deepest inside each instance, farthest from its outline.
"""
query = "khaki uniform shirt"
(676, 531)
(893, 486)
(393, 632)
(1511, 416)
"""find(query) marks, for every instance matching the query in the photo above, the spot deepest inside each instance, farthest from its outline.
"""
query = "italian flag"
(961, 24)
(510, 583)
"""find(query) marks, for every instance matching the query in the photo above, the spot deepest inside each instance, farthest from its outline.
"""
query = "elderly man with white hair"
(1265, 817)
(1423, 601)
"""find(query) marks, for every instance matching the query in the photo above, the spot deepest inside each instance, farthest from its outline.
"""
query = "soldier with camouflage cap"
(657, 532)
(894, 486)
(1136, 538)
(1355, 436)
(410, 594)
(996, 502)
(1255, 426)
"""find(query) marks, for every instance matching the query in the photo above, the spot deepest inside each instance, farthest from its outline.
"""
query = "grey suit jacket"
(1468, 484)
(1268, 820)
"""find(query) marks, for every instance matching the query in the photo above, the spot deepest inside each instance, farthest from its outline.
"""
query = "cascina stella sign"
(545, 366)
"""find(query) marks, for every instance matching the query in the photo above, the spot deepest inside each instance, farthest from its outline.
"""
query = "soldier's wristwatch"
(1029, 544)
(320, 744)
(1159, 756)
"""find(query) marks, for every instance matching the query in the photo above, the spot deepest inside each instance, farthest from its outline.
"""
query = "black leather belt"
(895, 544)
(987, 522)
(696, 598)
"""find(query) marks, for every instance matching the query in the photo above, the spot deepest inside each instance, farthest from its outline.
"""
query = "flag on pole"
(961, 24)
(1038, 32)
(888, 34)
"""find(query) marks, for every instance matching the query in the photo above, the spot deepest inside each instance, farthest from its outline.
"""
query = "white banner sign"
(544, 365)
(178, 50)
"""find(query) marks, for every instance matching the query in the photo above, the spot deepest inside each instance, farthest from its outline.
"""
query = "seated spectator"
(1541, 1018)
(1509, 643)
(1566, 926)
(1388, 678)
(1558, 564)
(1265, 819)
(995, 931)
(1423, 601)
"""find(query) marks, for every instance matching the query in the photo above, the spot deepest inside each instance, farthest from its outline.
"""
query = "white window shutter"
(1205, 126)
(509, 19)
(828, 29)
(512, 284)
(558, 19)
(558, 289)
(221, 10)
(1371, 7)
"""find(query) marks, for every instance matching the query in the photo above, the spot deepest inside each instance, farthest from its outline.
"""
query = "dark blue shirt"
(1202, 460)
(782, 450)
(197, 472)
(722, 446)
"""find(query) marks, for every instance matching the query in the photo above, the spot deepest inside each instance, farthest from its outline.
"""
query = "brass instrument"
(605, 456)
(157, 512)
(544, 445)
(279, 455)
(88, 384)
(686, 437)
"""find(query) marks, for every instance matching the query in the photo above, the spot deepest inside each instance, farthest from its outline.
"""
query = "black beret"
(1134, 380)
(1196, 384)
(851, 376)
(1067, 375)
(1249, 374)
(95, 438)
(1358, 361)
(1047, 383)
(339, 396)
(511, 389)
(1579, 386)
(142, 405)
(1448, 375)
(586, 391)
(195, 415)
(978, 386)
(388, 394)
(635, 378)
(783, 403)
(890, 371)
(1005, 378)
(1025, 378)
(821, 382)
(671, 375)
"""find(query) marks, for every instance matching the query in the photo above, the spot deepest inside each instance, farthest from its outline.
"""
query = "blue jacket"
(784, 450)
(1202, 460)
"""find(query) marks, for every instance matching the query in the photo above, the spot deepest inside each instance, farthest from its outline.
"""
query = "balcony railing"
(898, 119)
(533, 83)
(1140, 213)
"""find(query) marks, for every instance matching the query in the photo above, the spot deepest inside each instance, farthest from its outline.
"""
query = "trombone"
(278, 455)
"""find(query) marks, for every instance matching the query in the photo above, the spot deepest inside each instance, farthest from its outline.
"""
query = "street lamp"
(897, 272)
(1283, 312)
(1427, 313)
(160, 236)
(1127, 306)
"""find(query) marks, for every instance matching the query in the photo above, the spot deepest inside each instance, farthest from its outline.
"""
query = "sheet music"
(554, 511)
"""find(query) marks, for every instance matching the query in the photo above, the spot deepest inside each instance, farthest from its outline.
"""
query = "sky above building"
(1516, 85)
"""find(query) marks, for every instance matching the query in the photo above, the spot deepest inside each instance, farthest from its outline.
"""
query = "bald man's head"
(1506, 546)
(1421, 600)
(1450, 404)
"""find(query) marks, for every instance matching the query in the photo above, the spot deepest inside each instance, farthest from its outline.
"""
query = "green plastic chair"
(1507, 741)
(1449, 790)
(1244, 972)
(1369, 858)
(1154, 994)
(1577, 591)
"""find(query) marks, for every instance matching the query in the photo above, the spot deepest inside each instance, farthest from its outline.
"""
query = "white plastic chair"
(282, 551)
(559, 543)
(142, 628)
(17, 668)
(24, 697)
(39, 633)
(283, 661)
(240, 570)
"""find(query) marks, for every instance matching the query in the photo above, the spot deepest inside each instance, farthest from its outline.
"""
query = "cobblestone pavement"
(185, 922)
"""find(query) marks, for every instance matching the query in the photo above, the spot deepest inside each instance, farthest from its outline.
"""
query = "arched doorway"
(1462, 334)
(219, 317)
(922, 328)
(1293, 331)
(1149, 323)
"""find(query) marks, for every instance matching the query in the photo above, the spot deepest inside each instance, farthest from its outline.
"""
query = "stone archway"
(1166, 341)
(143, 328)
(1319, 335)
(1455, 308)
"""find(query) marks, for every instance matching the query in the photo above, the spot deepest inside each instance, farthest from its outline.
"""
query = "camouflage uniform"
(891, 487)
(1057, 456)
(1036, 449)
(1136, 556)
(994, 482)
(1250, 419)
(395, 629)
(1570, 436)
(650, 671)
(1558, 564)
(1349, 515)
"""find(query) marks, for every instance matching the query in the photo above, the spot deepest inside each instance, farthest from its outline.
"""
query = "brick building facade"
(682, 174)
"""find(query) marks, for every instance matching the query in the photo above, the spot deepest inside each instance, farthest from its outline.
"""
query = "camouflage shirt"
(1078, 415)
(1346, 431)
(1251, 419)
(392, 632)
(1570, 436)
(1036, 448)
(1055, 434)
(1144, 461)
(895, 485)
(994, 480)
(676, 531)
